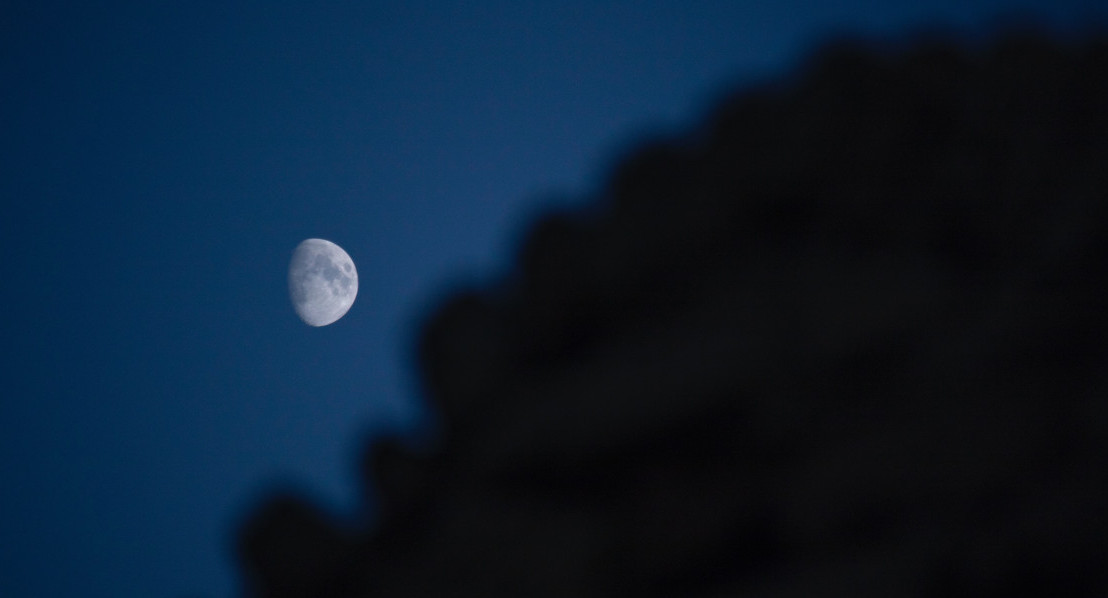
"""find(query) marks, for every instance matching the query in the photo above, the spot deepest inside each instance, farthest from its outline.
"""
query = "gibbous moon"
(322, 282)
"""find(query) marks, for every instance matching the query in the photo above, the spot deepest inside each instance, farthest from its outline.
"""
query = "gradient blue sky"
(159, 161)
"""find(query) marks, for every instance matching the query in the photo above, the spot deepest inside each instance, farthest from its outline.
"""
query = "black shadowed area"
(847, 338)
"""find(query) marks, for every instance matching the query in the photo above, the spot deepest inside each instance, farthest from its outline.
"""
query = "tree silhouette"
(847, 338)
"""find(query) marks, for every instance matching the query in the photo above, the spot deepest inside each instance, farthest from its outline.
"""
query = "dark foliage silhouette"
(847, 338)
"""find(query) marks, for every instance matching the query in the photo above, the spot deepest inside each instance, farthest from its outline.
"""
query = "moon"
(322, 282)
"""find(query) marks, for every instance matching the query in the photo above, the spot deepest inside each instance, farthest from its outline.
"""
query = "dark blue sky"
(159, 161)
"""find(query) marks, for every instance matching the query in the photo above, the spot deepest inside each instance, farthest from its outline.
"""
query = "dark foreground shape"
(849, 339)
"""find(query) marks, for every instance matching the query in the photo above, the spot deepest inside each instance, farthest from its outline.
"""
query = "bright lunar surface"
(322, 282)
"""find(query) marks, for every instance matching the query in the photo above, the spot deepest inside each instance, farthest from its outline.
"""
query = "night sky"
(160, 162)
